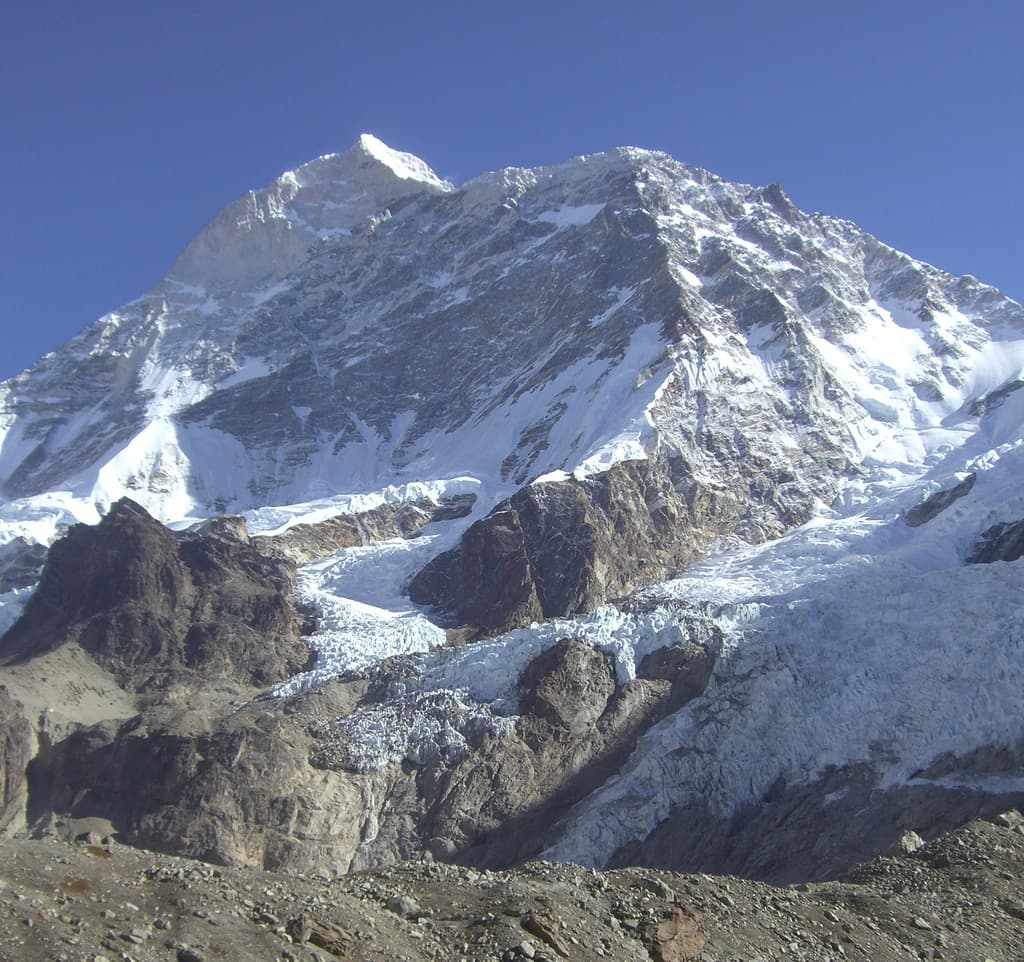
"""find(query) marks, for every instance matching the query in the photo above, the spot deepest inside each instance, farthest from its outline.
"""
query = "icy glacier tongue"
(853, 644)
(363, 616)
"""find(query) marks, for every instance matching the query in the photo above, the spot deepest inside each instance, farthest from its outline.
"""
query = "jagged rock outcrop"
(149, 604)
(576, 727)
(567, 687)
(936, 503)
(231, 788)
(16, 747)
(995, 398)
(566, 546)
(1001, 542)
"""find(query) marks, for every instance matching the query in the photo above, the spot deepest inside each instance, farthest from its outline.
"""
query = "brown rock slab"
(546, 929)
(679, 938)
(151, 605)
(15, 753)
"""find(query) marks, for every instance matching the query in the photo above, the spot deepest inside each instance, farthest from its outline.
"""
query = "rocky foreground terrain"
(960, 897)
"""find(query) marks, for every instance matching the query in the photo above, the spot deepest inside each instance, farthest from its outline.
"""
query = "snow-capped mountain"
(359, 322)
(779, 439)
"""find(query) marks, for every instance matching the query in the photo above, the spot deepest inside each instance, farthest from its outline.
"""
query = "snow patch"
(569, 215)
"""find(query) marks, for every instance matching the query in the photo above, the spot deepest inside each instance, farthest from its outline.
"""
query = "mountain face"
(608, 511)
(359, 322)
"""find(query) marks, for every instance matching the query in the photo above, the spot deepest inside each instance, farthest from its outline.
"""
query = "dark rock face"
(20, 564)
(148, 604)
(568, 686)
(994, 398)
(1001, 542)
(577, 726)
(15, 752)
(937, 503)
(565, 547)
(686, 666)
(487, 580)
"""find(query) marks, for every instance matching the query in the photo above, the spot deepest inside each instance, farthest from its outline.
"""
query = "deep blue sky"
(127, 125)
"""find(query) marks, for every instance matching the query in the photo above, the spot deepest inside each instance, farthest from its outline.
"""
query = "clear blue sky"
(127, 125)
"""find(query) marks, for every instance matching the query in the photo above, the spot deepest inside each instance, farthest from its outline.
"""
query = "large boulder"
(15, 752)
(1001, 542)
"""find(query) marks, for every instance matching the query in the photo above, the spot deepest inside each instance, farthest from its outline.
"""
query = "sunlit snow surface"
(406, 166)
(357, 595)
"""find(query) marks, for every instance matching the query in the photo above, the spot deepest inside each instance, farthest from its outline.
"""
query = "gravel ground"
(960, 897)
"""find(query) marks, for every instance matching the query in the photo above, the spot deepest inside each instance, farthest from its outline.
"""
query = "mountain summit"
(614, 503)
(267, 234)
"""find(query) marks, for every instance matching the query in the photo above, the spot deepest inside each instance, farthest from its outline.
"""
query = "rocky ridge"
(311, 541)
(150, 605)
(565, 546)
(656, 308)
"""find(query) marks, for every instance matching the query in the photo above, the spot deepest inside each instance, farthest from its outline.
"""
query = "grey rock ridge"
(520, 324)
(607, 512)
(311, 541)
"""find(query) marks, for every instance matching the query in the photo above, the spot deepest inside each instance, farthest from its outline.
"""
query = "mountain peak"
(267, 233)
(403, 165)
